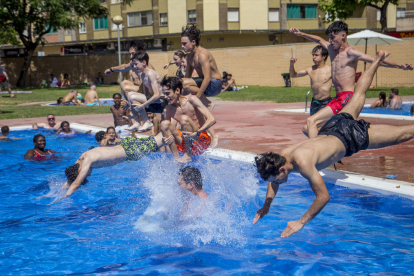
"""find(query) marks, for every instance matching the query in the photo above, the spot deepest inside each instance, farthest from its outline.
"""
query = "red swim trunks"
(340, 101)
(199, 146)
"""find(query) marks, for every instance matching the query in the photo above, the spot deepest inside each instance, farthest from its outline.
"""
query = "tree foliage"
(344, 9)
(30, 20)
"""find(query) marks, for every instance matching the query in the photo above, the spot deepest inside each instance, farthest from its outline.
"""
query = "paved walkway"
(255, 127)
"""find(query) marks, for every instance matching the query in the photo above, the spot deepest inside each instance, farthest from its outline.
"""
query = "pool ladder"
(306, 104)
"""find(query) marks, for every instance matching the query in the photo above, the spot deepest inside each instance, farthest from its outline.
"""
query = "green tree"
(344, 9)
(30, 20)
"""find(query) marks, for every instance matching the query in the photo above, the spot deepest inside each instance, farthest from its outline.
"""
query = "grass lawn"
(11, 110)
(293, 94)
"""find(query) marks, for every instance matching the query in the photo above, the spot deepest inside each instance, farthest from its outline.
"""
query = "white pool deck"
(367, 115)
(341, 178)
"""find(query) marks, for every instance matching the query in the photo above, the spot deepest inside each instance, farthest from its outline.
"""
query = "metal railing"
(306, 104)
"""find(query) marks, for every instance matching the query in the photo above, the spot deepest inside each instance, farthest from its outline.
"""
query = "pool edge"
(340, 178)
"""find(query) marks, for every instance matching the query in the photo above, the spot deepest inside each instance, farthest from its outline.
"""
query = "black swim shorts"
(352, 133)
(317, 105)
(156, 106)
(213, 88)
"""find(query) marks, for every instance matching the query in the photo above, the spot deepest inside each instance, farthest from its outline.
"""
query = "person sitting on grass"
(91, 97)
(39, 150)
(130, 149)
(65, 81)
(190, 179)
(99, 79)
(110, 138)
(51, 123)
(381, 102)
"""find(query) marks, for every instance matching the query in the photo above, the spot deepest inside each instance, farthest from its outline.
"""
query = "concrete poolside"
(255, 127)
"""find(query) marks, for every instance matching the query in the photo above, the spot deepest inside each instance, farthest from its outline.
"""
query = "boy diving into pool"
(130, 149)
(341, 136)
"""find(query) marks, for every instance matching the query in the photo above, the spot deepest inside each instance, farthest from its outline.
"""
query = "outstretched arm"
(84, 170)
(292, 71)
(386, 63)
(314, 38)
(318, 186)
(270, 195)
(119, 68)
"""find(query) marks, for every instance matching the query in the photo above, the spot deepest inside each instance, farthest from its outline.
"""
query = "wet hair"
(181, 54)
(113, 96)
(5, 129)
(395, 91)
(37, 137)
(192, 32)
(111, 127)
(336, 27)
(268, 164)
(64, 122)
(99, 136)
(59, 101)
(138, 46)
(191, 174)
(141, 56)
(72, 172)
(172, 83)
(383, 97)
(412, 109)
(323, 51)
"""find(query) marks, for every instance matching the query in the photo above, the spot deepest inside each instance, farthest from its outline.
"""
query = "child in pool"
(65, 130)
(5, 131)
(39, 150)
(110, 139)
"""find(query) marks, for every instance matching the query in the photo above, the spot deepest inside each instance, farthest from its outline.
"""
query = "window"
(273, 15)
(115, 1)
(401, 12)
(100, 23)
(233, 15)
(82, 27)
(192, 16)
(301, 11)
(378, 15)
(163, 19)
(52, 30)
(140, 19)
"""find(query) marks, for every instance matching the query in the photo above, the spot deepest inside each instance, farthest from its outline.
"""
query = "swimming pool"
(404, 111)
(133, 219)
(104, 102)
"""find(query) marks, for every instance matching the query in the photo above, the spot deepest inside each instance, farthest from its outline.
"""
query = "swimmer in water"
(395, 101)
(99, 136)
(110, 139)
(65, 130)
(341, 136)
(39, 150)
(381, 102)
(51, 123)
(320, 78)
(190, 179)
(344, 61)
(129, 149)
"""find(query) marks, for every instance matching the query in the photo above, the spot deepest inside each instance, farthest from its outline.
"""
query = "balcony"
(405, 21)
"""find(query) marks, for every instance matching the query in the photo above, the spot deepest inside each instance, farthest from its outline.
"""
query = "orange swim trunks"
(199, 146)
(340, 101)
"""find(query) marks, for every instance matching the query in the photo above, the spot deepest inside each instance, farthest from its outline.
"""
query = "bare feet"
(211, 107)
(12, 95)
(214, 141)
(135, 126)
(146, 126)
(383, 54)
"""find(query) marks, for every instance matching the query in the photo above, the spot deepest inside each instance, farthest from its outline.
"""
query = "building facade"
(224, 23)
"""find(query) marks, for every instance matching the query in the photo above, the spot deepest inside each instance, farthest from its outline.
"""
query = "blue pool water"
(405, 110)
(133, 219)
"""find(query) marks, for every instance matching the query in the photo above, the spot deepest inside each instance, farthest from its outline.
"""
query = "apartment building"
(224, 23)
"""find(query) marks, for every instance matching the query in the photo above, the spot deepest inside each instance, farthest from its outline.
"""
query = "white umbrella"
(368, 37)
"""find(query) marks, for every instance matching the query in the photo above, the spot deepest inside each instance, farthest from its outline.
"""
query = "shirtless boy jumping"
(320, 77)
(209, 82)
(194, 117)
(344, 60)
(341, 136)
